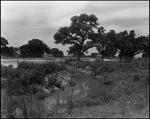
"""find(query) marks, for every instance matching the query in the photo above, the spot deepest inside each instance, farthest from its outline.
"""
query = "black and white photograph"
(75, 59)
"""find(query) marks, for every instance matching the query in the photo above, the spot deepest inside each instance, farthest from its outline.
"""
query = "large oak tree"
(80, 34)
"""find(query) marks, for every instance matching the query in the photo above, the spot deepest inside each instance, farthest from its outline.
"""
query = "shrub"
(47, 68)
(40, 95)
(28, 73)
(3, 83)
(72, 83)
(34, 88)
(67, 61)
(83, 64)
(98, 62)
(103, 69)
(33, 76)
(61, 66)
(5, 71)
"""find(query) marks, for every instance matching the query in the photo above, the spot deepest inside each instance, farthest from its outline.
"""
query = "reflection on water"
(13, 62)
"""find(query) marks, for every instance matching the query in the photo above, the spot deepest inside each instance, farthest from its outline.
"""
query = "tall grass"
(24, 80)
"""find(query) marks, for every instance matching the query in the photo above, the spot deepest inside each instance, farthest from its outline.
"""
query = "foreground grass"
(114, 94)
(122, 97)
(110, 110)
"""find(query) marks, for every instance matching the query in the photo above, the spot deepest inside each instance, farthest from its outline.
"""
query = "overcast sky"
(22, 21)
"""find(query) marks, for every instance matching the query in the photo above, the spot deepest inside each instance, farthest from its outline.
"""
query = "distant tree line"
(84, 33)
(34, 48)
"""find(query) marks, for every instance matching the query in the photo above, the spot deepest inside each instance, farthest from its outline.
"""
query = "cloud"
(65, 8)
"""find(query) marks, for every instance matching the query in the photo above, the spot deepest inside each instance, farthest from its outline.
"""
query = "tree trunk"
(102, 55)
(102, 58)
(78, 58)
(120, 59)
(131, 58)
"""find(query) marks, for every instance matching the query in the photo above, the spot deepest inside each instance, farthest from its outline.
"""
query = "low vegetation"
(114, 83)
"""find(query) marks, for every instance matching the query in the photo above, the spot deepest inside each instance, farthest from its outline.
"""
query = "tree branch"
(138, 52)
(74, 38)
(89, 48)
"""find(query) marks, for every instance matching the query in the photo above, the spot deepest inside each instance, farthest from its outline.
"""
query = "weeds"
(29, 77)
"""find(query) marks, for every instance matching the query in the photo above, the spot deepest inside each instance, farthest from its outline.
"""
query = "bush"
(5, 71)
(103, 69)
(98, 62)
(61, 66)
(34, 88)
(72, 83)
(30, 77)
(3, 83)
(83, 64)
(47, 68)
(67, 61)
(40, 95)
(108, 69)
(20, 79)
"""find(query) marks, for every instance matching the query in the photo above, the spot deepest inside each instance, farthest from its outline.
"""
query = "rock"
(57, 80)
(63, 75)
(85, 86)
(56, 88)
(99, 77)
(18, 113)
(88, 68)
(46, 91)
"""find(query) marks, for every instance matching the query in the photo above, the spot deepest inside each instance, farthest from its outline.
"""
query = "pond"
(13, 61)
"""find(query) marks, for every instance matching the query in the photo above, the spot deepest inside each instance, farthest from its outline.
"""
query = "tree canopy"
(56, 52)
(144, 45)
(80, 34)
(129, 45)
(34, 48)
(5, 50)
(106, 43)
(4, 42)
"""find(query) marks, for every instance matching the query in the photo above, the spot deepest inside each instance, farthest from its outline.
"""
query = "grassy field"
(118, 89)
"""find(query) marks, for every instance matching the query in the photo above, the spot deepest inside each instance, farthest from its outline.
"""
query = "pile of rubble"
(56, 81)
